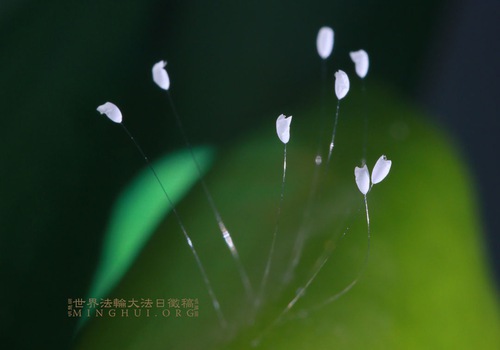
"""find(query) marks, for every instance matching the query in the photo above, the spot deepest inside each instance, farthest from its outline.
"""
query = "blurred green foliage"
(426, 284)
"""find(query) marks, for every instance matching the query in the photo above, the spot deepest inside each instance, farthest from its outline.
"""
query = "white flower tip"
(324, 42)
(283, 128)
(381, 169)
(361, 62)
(111, 111)
(362, 176)
(341, 84)
(160, 75)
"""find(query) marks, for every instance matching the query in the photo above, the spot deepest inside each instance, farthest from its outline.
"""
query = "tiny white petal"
(361, 62)
(111, 111)
(283, 128)
(362, 177)
(341, 84)
(381, 169)
(324, 42)
(160, 75)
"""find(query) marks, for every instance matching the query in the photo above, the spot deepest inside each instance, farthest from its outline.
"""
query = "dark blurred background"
(230, 62)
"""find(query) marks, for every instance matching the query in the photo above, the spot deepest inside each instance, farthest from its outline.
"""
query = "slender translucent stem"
(332, 143)
(222, 227)
(215, 301)
(267, 269)
(302, 232)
